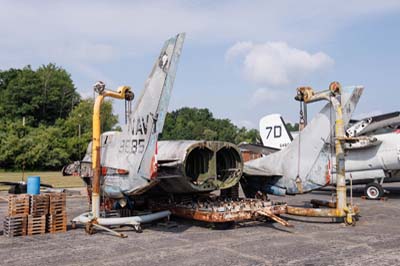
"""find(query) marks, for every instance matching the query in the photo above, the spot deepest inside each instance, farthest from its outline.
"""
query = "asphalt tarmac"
(375, 240)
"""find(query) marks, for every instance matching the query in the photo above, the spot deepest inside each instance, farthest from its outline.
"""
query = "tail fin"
(314, 149)
(135, 147)
(305, 164)
(274, 132)
(152, 105)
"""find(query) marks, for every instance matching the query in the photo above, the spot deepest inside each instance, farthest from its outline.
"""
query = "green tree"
(294, 127)
(45, 149)
(81, 119)
(58, 94)
(198, 124)
(11, 144)
(53, 112)
(41, 96)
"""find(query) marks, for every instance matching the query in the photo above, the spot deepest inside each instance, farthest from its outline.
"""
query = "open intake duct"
(198, 166)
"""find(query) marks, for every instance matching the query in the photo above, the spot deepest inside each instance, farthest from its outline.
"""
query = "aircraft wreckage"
(130, 170)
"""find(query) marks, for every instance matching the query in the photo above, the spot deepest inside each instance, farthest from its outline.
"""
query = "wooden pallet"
(57, 202)
(15, 225)
(39, 205)
(56, 222)
(36, 225)
(18, 204)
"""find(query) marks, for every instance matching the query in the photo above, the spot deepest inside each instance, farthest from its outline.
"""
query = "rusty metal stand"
(339, 209)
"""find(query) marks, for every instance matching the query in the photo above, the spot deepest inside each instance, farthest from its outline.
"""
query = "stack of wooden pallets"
(57, 217)
(15, 224)
(36, 225)
(35, 214)
(39, 208)
(18, 205)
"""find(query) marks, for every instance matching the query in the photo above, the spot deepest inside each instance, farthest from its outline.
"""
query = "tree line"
(41, 116)
(45, 124)
(199, 124)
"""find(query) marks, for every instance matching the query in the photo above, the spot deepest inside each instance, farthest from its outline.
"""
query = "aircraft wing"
(258, 148)
(374, 123)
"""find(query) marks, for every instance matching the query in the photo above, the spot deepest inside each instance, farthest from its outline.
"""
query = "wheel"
(373, 191)
(73, 225)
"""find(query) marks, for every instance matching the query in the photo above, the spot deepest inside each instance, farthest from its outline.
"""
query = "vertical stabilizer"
(134, 148)
(274, 133)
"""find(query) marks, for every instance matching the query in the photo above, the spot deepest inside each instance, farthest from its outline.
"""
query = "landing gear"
(373, 191)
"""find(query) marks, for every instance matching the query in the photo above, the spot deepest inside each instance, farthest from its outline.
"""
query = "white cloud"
(127, 25)
(276, 64)
(238, 49)
(99, 31)
(108, 40)
(265, 95)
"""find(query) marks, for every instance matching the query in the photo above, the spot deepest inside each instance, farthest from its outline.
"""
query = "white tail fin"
(135, 147)
(274, 133)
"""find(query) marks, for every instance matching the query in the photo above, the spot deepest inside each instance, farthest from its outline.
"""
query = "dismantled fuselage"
(305, 164)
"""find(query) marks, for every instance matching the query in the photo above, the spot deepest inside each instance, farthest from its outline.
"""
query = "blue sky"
(241, 59)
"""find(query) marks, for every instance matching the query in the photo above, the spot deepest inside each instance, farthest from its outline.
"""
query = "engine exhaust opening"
(198, 164)
(228, 163)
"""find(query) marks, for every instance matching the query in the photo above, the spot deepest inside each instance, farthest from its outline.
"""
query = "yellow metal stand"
(340, 208)
(123, 92)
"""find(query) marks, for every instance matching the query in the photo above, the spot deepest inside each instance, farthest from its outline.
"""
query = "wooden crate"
(57, 202)
(36, 225)
(18, 204)
(39, 205)
(56, 222)
(15, 225)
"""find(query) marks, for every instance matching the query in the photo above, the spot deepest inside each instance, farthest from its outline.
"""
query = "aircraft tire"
(373, 191)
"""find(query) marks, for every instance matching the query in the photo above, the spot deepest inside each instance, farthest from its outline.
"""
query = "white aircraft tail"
(134, 149)
(274, 133)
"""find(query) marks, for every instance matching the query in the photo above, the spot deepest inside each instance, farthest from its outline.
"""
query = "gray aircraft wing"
(374, 123)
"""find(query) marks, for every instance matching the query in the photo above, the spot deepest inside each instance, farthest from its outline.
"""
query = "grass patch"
(53, 178)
